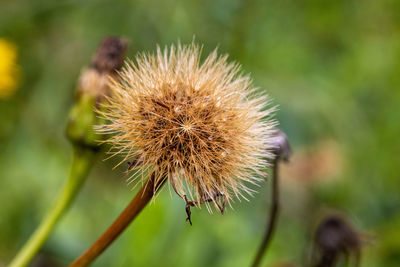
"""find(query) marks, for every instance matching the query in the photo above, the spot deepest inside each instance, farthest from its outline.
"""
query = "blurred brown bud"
(110, 55)
(336, 238)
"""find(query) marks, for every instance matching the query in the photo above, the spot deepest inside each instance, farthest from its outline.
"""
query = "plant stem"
(83, 159)
(273, 215)
(118, 226)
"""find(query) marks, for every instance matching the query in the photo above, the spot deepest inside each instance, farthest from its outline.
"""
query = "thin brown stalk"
(273, 216)
(141, 199)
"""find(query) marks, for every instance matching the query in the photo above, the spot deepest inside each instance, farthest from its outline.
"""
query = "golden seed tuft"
(201, 125)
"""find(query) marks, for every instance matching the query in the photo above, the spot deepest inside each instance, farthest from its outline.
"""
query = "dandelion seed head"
(202, 125)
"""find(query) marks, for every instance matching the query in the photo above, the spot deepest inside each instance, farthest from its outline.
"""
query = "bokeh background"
(332, 66)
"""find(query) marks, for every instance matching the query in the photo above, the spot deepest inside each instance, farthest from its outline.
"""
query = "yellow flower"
(9, 71)
(200, 125)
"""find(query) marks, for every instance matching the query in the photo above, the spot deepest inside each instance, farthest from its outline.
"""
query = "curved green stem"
(82, 162)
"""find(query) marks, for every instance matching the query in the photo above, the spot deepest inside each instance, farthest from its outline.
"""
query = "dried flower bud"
(107, 60)
(335, 238)
(91, 90)
(200, 125)
(110, 55)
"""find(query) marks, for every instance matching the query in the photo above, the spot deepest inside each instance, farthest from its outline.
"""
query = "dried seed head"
(201, 125)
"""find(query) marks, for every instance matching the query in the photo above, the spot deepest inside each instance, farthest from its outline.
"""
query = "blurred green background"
(333, 67)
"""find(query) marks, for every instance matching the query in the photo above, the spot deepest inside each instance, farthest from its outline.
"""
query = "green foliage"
(331, 66)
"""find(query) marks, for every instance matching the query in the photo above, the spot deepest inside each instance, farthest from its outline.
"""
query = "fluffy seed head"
(200, 125)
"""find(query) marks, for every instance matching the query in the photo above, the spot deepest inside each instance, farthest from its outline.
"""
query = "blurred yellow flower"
(9, 70)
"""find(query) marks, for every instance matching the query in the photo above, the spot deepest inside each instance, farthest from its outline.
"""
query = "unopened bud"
(281, 146)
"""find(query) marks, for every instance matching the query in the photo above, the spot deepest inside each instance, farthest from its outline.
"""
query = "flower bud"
(91, 90)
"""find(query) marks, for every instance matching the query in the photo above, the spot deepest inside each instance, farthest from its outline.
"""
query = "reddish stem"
(118, 226)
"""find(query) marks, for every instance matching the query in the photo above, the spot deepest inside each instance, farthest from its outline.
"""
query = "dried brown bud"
(110, 55)
(336, 238)
(92, 87)
(108, 59)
